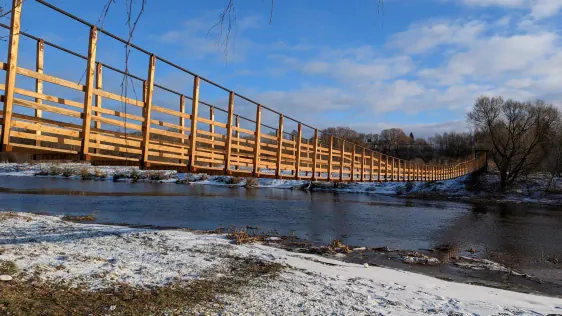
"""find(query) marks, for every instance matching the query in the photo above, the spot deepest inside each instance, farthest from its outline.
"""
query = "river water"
(522, 233)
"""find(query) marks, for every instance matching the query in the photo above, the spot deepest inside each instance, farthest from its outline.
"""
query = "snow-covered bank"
(532, 189)
(100, 256)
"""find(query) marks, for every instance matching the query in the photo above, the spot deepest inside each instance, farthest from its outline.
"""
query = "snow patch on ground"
(101, 256)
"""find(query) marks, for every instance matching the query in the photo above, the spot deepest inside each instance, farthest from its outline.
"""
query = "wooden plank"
(48, 108)
(147, 110)
(88, 93)
(211, 122)
(46, 138)
(330, 158)
(13, 44)
(362, 176)
(39, 64)
(115, 140)
(342, 162)
(97, 99)
(169, 133)
(50, 98)
(51, 79)
(279, 146)
(39, 148)
(117, 97)
(372, 163)
(353, 155)
(298, 153)
(171, 112)
(116, 148)
(315, 154)
(229, 132)
(212, 128)
(194, 116)
(99, 110)
(46, 129)
(47, 121)
(119, 123)
(170, 125)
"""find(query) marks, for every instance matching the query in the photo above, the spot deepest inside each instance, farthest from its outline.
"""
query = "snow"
(100, 256)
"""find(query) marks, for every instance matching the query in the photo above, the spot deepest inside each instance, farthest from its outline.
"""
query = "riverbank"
(146, 266)
(483, 188)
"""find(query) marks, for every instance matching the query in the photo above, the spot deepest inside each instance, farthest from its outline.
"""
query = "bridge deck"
(167, 129)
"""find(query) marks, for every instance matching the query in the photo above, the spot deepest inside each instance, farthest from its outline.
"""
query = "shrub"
(55, 170)
(157, 176)
(251, 182)
(135, 174)
(85, 174)
(67, 172)
(8, 267)
(236, 180)
(99, 173)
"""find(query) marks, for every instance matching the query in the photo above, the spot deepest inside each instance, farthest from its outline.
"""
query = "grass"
(85, 174)
(8, 267)
(79, 218)
(11, 215)
(251, 182)
(25, 297)
(67, 172)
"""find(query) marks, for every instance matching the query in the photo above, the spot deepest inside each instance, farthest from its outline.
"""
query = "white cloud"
(539, 9)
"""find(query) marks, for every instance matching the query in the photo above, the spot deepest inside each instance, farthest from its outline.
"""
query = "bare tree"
(515, 130)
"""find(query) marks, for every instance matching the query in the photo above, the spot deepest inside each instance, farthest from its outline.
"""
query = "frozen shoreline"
(99, 256)
(528, 191)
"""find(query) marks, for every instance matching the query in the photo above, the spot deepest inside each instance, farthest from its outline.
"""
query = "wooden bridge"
(184, 132)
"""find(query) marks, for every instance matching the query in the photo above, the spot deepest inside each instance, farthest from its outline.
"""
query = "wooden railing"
(169, 135)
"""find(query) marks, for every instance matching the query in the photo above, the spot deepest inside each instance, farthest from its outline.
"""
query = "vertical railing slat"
(279, 147)
(193, 127)
(147, 112)
(315, 154)
(88, 94)
(257, 136)
(39, 62)
(10, 83)
(330, 158)
(228, 149)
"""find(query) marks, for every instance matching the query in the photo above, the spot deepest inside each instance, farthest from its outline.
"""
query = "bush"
(8, 267)
(55, 170)
(85, 174)
(251, 182)
(135, 174)
(99, 173)
(157, 176)
(236, 180)
(67, 172)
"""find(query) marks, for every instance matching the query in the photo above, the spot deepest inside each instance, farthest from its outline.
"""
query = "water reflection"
(513, 232)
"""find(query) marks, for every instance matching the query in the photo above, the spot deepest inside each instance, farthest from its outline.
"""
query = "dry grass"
(24, 297)
(85, 174)
(79, 218)
(12, 215)
(251, 182)
(8, 267)
(241, 236)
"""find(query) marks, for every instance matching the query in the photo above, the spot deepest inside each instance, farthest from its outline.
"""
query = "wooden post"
(194, 115)
(399, 169)
(314, 157)
(299, 145)
(212, 130)
(256, 170)
(98, 99)
(330, 154)
(11, 71)
(362, 176)
(237, 135)
(182, 121)
(386, 169)
(279, 147)
(342, 162)
(379, 167)
(88, 95)
(147, 112)
(39, 62)
(353, 163)
(392, 163)
(372, 172)
(228, 150)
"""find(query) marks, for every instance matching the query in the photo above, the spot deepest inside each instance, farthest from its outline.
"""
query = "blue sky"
(418, 66)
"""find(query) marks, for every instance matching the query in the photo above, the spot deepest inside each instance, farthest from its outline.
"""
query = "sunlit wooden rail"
(185, 134)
